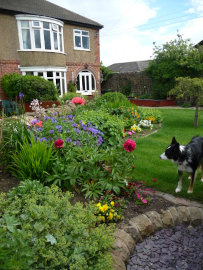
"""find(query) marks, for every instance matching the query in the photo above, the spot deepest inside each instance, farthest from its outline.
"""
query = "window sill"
(89, 93)
(46, 51)
(80, 49)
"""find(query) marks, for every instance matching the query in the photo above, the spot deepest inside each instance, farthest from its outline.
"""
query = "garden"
(79, 174)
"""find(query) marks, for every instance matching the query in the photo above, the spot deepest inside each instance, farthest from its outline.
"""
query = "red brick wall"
(7, 66)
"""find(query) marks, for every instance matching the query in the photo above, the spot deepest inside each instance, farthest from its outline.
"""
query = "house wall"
(74, 60)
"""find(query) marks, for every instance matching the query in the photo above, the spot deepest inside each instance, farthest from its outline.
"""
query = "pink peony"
(78, 100)
(58, 143)
(129, 145)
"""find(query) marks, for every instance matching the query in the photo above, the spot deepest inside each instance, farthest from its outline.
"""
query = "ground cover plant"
(159, 174)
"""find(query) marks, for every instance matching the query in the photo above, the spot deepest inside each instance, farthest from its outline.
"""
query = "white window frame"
(88, 74)
(41, 19)
(80, 35)
(44, 70)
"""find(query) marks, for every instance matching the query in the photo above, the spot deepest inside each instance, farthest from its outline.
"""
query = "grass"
(178, 123)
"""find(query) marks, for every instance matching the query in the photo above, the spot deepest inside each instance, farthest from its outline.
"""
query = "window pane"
(47, 40)
(26, 39)
(78, 83)
(87, 80)
(46, 25)
(36, 23)
(63, 86)
(77, 41)
(37, 39)
(77, 32)
(29, 73)
(60, 42)
(85, 33)
(49, 74)
(54, 26)
(58, 74)
(58, 86)
(55, 41)
(83, 83)
(40, 74)
(85, 42)
(25, 23)
(93, 83)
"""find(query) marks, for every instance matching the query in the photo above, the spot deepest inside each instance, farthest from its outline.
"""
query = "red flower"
(39, 124)
(154, 179)
(78, 100)
(58, 143)
(129, 145)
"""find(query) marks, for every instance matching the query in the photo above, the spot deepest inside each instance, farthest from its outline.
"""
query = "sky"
(132, 26)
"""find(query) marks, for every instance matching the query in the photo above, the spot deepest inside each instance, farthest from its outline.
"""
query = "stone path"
(177, 230)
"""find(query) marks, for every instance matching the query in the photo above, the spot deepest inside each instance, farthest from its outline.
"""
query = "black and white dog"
(188, 158)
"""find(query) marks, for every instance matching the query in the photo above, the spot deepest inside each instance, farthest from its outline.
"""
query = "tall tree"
(177, 58)
(189, 89)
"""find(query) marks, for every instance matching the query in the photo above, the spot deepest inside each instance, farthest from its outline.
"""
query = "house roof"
(136, 66)
(45, 8)
(199, 44)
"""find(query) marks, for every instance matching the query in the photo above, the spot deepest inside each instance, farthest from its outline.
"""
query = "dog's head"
(172, 151)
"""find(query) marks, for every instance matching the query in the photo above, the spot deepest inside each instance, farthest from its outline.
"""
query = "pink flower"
(78, 100)
(129, 133)
(129, 145)
(144, 201)
(148, 189)
(58, 143)
(138, 195)
(133, 131)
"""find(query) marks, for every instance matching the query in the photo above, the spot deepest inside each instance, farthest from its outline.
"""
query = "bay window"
(37, 33)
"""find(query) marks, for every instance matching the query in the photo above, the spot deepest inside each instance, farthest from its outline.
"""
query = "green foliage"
(71, 87)
(69, 96)
(126, 89)
(173, 59)
(14, 132)
(106, 73)
(45, 231)
(32, 161)
(146, 113)
(110, 125)
(33, 87)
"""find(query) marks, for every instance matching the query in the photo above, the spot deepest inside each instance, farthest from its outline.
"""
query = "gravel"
(178, 248)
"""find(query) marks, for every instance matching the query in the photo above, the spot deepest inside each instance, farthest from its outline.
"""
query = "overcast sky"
(131, 26)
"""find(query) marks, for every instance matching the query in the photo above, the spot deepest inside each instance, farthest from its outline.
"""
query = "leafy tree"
(189, 89)
(106, 73)
(177, 58)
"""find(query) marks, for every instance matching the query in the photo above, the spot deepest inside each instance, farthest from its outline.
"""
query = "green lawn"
(178, 123)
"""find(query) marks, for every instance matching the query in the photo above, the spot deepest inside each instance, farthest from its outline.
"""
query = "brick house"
(42, 39)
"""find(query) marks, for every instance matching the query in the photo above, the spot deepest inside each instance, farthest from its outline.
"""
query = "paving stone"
(122, 249)
(126, 238)
(183, 214)
(155, 219)
(143, 224)
(196, 215)
(166, 218)
(174, 215)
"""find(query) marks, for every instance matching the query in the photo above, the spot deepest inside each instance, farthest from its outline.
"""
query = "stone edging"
(146, 224)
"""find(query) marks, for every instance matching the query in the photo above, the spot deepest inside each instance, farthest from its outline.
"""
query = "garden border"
(146, 224)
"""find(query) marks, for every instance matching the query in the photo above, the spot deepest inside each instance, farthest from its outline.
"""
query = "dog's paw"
(177, 190)
(189, 191)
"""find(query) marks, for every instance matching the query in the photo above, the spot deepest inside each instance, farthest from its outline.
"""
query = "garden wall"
(152, 102)
(139, 82)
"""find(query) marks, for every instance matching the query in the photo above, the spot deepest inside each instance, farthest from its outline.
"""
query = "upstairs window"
(81, 40)
(40, 33)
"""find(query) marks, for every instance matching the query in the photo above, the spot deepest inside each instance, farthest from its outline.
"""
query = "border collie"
(188, 158)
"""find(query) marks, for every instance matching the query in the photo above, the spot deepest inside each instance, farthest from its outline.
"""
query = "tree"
(106, 73)
(189, 89)
(177, 58)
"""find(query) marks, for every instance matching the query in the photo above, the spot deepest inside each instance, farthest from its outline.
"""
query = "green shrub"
(33, 87)
(71, 87)
(147, 113)
(113, 100)
(110, 125)
(55, 234)
(33, 160)
(69, 96)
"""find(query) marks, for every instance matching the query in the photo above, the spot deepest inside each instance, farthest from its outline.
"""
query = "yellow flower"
(123, 134)
(104, 208)
(83, 122)
(110, 217)
(112, 203)
(112, 210)
(126, 118)
(111, 178)
(102, 218)
(135, 97)
(98, 204)
(118, 217)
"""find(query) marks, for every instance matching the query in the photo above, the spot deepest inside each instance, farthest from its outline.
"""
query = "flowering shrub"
(58, 144)
(133, 191)
(153, 115)
(37, 108)
(136, 128)
(129, 145)
(78, 100)
(145, 124)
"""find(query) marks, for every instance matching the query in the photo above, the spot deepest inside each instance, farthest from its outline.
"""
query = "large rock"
(144, 225)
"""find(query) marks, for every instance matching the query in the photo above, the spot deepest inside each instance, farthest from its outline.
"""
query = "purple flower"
(55, 113)
(39, 129)
(43, 139)
(35, 121)
(68, 140)
(21, 95)
(67, 130)
(53, 119)
(46, 118)
(77, 130)
(59, 128)
(51, 131)
(74, 125)
(77, 142)
(70, 117)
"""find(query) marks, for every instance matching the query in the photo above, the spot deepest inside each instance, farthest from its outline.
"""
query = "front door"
(85, 82)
